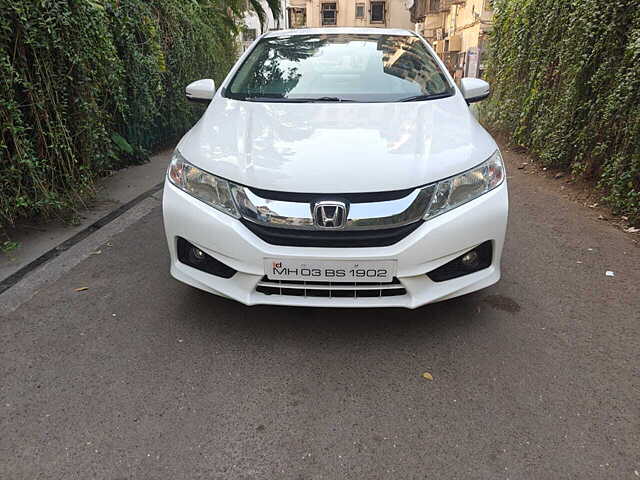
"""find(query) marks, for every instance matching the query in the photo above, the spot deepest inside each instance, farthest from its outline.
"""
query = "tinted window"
(351, 67)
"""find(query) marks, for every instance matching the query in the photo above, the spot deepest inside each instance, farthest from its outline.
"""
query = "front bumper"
(433, 244)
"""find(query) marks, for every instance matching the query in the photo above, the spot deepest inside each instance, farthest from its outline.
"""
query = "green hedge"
(87, 86)
(566, 85)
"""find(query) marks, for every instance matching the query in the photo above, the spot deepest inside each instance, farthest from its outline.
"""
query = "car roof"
(339, 30)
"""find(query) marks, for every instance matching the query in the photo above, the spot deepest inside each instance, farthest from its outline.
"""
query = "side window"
(359, 10)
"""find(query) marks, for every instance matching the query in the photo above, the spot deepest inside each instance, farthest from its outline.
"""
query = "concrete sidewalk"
(37, 237)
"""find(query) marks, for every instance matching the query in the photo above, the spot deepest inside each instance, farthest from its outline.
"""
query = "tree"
(274, 6)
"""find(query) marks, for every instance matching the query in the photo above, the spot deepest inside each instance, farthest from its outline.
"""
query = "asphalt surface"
(142, 377)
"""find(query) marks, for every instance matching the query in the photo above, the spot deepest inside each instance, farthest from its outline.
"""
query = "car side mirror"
(474, 89)
(201, 90)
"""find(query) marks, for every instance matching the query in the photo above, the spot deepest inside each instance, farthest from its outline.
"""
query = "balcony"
(455, 43)
(486, 16)
(445, 5)
(436, 6)
(433, 22)
(424, 9)
(486, 21)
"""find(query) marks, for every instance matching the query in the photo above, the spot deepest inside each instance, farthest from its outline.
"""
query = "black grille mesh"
(331, 238)
(329, 290)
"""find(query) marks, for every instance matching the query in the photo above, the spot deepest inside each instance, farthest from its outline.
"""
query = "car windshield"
(339, 67)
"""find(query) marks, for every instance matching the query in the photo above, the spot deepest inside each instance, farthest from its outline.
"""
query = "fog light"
(198, 254)
(191, 255)
(470, 259)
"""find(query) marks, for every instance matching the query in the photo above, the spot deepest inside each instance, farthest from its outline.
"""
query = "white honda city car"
(337, 167)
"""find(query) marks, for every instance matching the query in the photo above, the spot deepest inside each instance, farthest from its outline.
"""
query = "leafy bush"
(87, 86)
(566, 85)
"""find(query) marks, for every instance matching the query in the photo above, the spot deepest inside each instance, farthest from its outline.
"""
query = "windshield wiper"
(278, 97)
(418, 98)
(262, 97)
(322, 99)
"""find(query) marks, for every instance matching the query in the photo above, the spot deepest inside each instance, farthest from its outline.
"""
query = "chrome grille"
(363, 213)
(330, 289)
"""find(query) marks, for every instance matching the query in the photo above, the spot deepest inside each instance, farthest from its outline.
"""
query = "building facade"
(349, 13)
(458, 30)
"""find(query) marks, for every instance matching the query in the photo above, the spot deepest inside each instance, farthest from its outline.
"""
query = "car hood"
(336, 147)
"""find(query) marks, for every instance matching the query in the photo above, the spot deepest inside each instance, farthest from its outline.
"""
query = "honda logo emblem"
(329, 215)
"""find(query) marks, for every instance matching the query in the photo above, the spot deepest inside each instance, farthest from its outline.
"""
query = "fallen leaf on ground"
(427, 376)
(81, 289)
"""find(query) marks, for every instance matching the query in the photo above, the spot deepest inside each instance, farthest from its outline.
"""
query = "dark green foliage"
(566, 85)
(87, 86)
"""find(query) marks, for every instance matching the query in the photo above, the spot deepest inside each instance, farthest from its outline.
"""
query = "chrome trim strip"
(360, 216)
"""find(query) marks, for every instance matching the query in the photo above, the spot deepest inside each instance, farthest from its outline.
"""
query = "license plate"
(381, 271)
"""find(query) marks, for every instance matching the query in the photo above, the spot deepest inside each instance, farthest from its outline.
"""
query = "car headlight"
(202, 185)
(455, 191)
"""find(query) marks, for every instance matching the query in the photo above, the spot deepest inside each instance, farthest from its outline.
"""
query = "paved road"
(142, 377)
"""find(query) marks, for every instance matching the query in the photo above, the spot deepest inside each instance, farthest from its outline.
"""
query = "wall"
(566, 85)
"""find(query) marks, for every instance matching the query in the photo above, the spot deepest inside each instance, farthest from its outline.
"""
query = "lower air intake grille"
(330, 289)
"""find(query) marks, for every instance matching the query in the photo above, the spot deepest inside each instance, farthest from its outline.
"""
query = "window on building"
(249, 35)
(329, 13)
(377, 12)
(297, 17)
(433, 6)
(359, 10)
